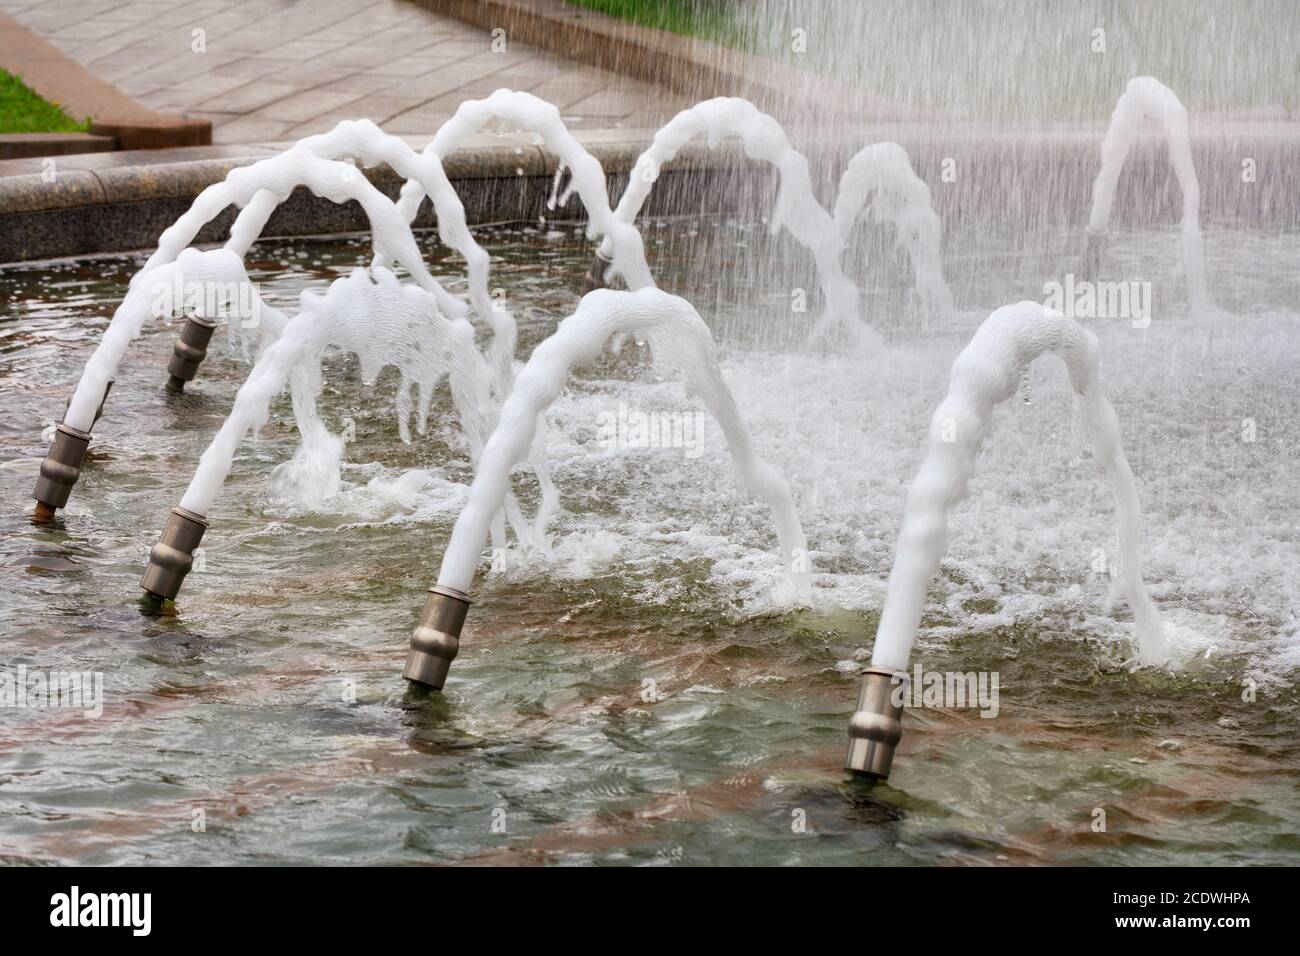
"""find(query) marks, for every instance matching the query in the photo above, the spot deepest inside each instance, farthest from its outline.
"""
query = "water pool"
(638, 697)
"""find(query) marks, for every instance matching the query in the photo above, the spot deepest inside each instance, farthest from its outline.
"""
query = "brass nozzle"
(173, 556)
(189, 351)
(876, 725)
(437, 637)
(61, 467)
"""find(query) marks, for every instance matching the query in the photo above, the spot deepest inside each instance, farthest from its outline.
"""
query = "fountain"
(423, 331)
(679, 340)
(1146, 97)
(258, 189)
(988, 372)
(618, 236)
(879, 178)
(368, 313)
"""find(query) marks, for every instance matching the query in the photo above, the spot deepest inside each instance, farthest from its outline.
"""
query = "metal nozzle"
(62, 466)
(173, 556)
(189, 351)
(876, 725)
(437, 637)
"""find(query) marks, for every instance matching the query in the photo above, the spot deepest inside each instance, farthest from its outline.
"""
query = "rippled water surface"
(637, 696)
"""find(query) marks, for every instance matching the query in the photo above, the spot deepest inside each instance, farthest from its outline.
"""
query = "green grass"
(22, 111)
(701, 18)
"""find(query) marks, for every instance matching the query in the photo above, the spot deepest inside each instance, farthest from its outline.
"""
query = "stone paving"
(271, 70)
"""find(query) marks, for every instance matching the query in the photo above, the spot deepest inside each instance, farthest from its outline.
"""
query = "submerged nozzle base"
(173, 556)
(436, 639)
(189, 351)
(61, 467)
(875, 727)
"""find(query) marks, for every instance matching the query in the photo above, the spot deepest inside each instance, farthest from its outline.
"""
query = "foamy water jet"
(878, 179)
(986, 373)
(1146, 97)
(679, 340)
(368, 313)
(258, 189)
(524, 111)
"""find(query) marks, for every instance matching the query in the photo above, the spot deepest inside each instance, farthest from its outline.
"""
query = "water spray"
(986, 373)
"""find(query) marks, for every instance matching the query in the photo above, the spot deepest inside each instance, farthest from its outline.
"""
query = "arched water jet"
(215, 268)
(366, 143)
(678, 338)
(264, 181)
(796, 207)
(880, 180)
(986, 373)
(1144, 97)
(369, 313)
(526, 112)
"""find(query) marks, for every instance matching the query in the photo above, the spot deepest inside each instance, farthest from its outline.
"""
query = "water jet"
(986, 373)
(1146, 97)
(678, 340)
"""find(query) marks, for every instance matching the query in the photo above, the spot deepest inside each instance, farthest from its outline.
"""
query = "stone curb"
(116, 202)
(26, 145)
(122, 201)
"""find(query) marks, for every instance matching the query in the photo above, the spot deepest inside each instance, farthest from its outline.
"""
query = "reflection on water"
(637, 698)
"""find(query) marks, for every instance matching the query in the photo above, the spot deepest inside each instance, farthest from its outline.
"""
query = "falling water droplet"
(1026, 380)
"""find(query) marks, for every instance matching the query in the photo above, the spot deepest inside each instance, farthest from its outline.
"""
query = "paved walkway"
(272, 70)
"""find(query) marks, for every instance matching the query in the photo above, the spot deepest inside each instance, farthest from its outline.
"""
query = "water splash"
(1146, 97)
(988, 372)
(678, 339)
